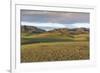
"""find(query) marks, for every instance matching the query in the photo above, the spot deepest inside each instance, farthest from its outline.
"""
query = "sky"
(49, 20)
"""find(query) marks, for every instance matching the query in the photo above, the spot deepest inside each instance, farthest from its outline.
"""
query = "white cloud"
(44, 24)
(78, 25)
(51, 26)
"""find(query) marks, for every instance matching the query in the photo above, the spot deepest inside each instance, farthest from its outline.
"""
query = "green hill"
(57, 35)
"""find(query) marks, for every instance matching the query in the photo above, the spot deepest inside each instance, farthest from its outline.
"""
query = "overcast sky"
(49, 20)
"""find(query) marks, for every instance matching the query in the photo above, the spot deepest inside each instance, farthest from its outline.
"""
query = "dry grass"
(55, 51)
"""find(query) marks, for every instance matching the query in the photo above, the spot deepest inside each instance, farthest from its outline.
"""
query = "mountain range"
(33, 29)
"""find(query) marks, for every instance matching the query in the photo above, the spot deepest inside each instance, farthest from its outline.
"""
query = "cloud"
(53, 25)
(54, 17)
(79, 25)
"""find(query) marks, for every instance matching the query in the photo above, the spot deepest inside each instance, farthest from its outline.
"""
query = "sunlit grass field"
(43, 47)
(56, 51)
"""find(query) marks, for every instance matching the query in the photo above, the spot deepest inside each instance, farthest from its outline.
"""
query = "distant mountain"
(70, 31)
(60, 31)
(79, 30)
(31, 29)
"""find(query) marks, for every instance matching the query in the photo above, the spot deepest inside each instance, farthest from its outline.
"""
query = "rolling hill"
(36, 35)
(30, 29)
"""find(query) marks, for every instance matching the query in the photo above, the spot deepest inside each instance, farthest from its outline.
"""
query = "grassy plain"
(55, 51)
(54, 47)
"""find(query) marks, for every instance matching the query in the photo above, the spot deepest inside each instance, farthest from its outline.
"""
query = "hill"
(31, 29)
(63, 31)
(79, 31)
(62, 34)
(71, 31)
